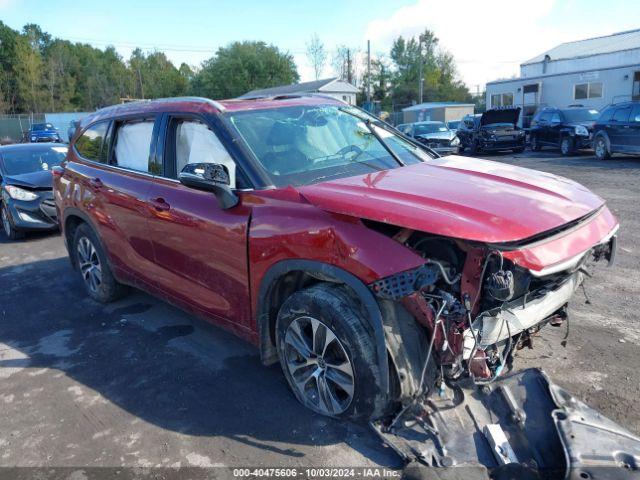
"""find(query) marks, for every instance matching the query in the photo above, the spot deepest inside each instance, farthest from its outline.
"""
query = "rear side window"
(622, 114)
(133, 145)
(92, 145)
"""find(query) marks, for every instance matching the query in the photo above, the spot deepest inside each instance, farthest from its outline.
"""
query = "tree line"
(39, 73)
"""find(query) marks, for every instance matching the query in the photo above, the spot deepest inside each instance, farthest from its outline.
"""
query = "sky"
(488, 38)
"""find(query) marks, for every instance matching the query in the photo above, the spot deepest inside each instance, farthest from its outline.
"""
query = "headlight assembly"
(582, 131)
(18, 193)
(455, 142)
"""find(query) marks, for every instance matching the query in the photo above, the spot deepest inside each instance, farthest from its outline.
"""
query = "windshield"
(39, 127)
(300, 145)
(424, 128)
(19, 161)
(581, 115)
(454, 124)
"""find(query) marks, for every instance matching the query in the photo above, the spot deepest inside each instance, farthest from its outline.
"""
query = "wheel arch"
(288, 276)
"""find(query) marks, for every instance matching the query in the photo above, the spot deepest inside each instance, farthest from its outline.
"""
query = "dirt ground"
(140, 383)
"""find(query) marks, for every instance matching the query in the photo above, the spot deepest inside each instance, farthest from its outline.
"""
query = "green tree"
(28, 75)
(241, 67)
(154, 76)
(411, 56)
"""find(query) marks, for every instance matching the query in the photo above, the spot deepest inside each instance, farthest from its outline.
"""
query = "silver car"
(435, 135)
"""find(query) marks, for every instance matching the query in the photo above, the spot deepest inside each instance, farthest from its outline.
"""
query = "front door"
(200, 248)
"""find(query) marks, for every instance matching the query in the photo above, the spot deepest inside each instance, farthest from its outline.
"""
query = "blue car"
(43, 132)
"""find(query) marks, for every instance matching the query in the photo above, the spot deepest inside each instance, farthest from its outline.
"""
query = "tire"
(473, 149)
(93, 266)
(518, 150)
(535, 145)
(567, 146)
(601, 149)
(344, 380)
(7, 225)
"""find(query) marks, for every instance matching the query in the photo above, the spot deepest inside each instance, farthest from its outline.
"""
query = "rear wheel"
(93, 266)
(601, 149)
(7, 225)
(566, 146)
(473, 150)
(328, 355)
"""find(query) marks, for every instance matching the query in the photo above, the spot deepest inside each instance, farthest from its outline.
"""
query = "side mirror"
(212, 177)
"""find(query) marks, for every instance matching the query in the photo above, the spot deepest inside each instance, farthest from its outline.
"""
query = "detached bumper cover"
(550, 433)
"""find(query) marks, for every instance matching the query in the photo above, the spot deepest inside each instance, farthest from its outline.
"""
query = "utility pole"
(420, 79)
(349, 79)
(369, 73)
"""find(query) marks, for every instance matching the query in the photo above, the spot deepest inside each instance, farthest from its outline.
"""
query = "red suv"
(341, 248)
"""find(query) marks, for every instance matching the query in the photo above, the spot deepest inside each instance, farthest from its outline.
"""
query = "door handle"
(96, 183)
(159, 204)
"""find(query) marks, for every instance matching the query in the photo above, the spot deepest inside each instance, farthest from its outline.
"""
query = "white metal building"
(594, 72)
(333, 87)
(440, 111)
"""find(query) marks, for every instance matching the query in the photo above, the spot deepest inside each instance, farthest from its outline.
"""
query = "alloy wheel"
(89, 264)
(534, 143)
(318, 363)
(600, 148)
(565, 146)
(5, 222)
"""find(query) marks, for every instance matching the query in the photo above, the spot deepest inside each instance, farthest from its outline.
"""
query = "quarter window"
(582, 91)
(92, 145)
(133, 145)
(196, 143)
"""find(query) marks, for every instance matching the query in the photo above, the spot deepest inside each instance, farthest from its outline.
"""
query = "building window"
(582, 91)
(501, 100)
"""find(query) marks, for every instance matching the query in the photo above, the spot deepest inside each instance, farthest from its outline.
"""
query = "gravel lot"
(140, 383)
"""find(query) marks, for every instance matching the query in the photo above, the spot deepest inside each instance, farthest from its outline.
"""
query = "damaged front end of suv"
(453, 327)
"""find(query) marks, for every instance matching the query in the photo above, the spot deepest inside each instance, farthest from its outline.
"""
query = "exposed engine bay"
(453, 327)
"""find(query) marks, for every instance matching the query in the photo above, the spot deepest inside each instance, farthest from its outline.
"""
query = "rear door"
(200, 248)
(619, 128)
(115, 174)
(634, 129)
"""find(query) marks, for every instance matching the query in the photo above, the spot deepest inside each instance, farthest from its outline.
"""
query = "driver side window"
(196, 143)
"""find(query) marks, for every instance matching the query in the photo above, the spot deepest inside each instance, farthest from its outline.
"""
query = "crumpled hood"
(459, 197)
(40, 179)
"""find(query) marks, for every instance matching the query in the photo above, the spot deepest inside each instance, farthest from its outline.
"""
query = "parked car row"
(615, 130)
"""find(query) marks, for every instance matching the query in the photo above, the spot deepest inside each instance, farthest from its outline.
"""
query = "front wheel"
(328, 355)
(93, 266)
(7, 225)
(566, 146)
(518, 150)
(601, 149)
